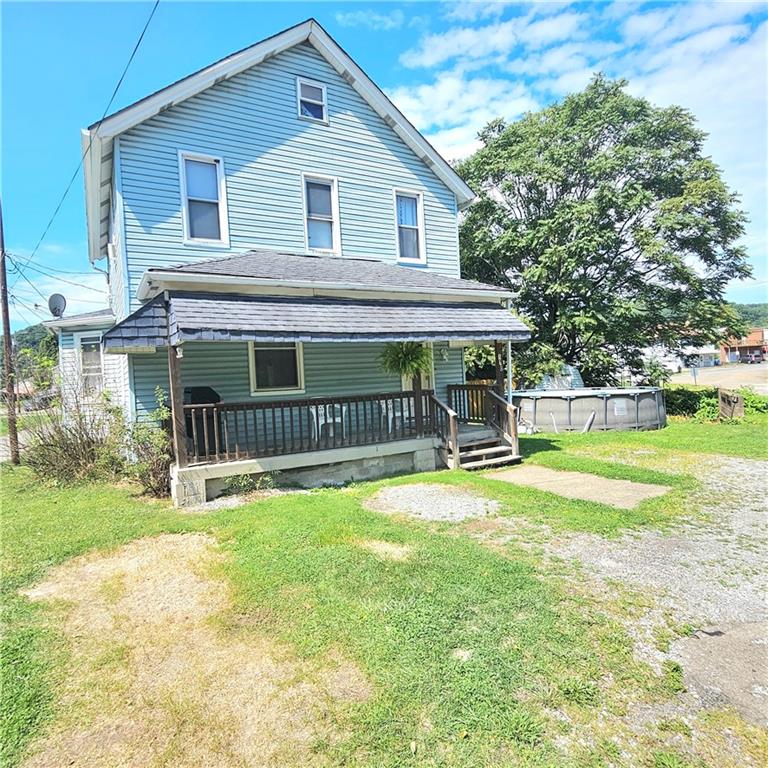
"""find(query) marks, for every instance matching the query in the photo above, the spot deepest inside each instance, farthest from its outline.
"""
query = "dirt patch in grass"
(386, 549)
(156, 679)
(432, 501)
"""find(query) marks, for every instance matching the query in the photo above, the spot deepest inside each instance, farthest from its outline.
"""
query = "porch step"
(492, 461)
(491, 449)
(471, 445)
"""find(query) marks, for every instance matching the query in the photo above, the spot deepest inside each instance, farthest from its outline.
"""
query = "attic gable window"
(203, 199)
(311, 100)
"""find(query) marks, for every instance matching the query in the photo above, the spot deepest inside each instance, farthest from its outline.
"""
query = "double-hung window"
(89, 359)
(275, 367)
(409, 220)
(321, 208)
(311, 100)
(203, 199)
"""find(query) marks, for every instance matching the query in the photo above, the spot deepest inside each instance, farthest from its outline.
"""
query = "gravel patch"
(706, 571)
(431, 501)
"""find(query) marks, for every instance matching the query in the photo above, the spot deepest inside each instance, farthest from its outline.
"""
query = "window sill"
(205, 243)
(313, 120)
(262, 392)
(412, 262)
(321, 252)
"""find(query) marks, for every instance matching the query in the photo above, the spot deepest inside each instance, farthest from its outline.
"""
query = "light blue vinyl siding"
(250, 121)
(329, 369)
(450, 371)
(66, 340)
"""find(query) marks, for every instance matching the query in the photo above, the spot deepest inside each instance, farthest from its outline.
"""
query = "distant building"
(752, 348)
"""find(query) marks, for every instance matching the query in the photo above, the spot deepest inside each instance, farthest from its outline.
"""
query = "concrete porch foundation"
(197, 484)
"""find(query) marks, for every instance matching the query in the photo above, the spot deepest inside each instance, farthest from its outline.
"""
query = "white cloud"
(472, 10)
(501, 37)
(454, 108)
(661, 26)
(372, 19)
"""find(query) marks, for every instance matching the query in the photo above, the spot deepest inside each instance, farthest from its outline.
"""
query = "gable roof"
(318, 272)
(99, 136)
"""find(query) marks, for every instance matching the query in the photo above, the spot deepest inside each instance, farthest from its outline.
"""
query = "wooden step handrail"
(446, 426)
(504, 421)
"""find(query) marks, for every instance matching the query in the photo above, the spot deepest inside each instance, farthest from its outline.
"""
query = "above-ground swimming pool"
(573, 410)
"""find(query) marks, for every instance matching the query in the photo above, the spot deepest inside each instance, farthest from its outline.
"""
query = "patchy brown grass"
(386, 549)
(156, 680)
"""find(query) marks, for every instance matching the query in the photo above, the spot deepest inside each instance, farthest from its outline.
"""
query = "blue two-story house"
(269, 224)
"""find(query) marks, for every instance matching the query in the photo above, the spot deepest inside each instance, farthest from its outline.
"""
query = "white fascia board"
(157, 281)
(62, 323)
(92, 181)
(194, 84)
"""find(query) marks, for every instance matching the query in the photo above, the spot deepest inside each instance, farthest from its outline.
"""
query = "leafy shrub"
(151, 449)
(754, 403)
(708, 410)
(685, 401)
(250, 483)
(702, 402)
(85, 442)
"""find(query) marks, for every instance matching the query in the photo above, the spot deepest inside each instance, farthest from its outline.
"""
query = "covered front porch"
(261, 384)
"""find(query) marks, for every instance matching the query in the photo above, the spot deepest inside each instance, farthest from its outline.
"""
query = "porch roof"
(233, 317)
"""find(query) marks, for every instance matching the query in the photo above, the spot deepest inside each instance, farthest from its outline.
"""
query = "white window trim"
(420, 213)
(336, 228)
(77, 342)
(315, 84)
(279, 391)
(223, 242)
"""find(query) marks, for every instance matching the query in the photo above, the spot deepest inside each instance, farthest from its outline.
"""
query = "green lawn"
(537, 643)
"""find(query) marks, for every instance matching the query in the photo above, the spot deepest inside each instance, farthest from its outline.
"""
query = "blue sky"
(450, 67)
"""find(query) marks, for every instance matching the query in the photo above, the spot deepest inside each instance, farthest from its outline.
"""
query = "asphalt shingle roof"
(232, 317)
(366, 273)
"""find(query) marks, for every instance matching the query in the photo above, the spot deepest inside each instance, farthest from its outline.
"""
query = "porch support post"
(509, 360)
(178, 421)
(499, 369)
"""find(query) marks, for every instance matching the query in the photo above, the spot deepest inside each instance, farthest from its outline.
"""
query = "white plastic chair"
(327, 416)
(391, 411)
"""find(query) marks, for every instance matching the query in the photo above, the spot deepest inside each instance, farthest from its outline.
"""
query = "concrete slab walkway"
(579, 485)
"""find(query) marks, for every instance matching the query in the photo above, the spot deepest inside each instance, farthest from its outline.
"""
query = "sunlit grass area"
(474, 655)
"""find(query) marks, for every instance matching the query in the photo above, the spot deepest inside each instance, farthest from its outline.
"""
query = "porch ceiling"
(232, 317)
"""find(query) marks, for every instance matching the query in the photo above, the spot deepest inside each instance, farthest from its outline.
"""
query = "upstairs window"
(311, 100)
(322, 214)
(203, 199)
(409, 219)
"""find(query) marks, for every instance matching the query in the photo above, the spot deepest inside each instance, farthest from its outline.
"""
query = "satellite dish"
(57, 304)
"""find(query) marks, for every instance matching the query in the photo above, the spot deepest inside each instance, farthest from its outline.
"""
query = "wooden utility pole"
(10, 389)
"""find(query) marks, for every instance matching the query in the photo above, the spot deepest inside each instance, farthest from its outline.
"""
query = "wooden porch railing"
(231, 431)
(467, 400)
(502, 416)
(445, 424)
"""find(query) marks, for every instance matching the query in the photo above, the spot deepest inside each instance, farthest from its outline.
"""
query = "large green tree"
(613, 229)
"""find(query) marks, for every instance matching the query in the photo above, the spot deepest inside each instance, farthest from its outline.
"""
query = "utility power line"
(17, 268)
(90, 142)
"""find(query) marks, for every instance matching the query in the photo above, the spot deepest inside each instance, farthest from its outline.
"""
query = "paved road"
(732, 376)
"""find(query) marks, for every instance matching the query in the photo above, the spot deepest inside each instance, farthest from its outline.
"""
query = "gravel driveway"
(707, 571)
